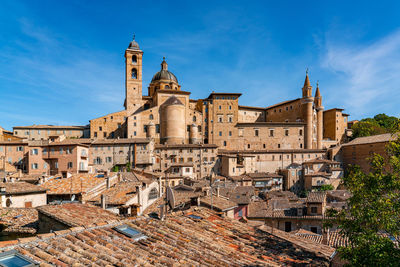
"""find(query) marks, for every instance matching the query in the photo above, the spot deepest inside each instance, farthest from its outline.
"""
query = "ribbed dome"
(164, 74)
(134, 45)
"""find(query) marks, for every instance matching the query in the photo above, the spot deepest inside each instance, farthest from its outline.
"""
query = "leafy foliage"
(326, 187)
(379, 124)
(372, 220)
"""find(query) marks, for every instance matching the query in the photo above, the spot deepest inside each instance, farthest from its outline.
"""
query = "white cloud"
(368, 73)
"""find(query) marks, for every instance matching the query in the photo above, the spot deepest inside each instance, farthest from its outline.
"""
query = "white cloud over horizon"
(369, 74)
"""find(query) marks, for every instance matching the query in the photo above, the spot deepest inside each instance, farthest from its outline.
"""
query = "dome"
(133, 45)
(172, 100)
(164, 74)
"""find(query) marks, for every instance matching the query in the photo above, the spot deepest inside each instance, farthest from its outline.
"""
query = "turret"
(320, 116)
(307, 107)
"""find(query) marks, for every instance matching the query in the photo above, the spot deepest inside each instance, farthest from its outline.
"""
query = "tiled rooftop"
(218, 203)
(316, 197)
(118, 194)
(333, 238)
(77, 214)
(22, 220)
(181, 240)
(22, 188)
(79, 183)
(371, 139)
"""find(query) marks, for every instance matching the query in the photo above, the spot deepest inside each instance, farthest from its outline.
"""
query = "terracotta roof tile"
(76, 184)
(22, 188)
(180, 240)
(77, 214)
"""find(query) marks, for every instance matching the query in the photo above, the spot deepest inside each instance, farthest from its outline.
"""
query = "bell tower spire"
(133, 76)
(320, 116)
(307, 107)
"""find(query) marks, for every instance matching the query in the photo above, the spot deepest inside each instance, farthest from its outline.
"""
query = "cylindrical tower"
(307, 106)
(151, 130)
(194, 134)
(173, 126)
(320, 117)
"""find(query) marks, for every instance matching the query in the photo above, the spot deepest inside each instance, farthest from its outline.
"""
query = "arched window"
(153, 194)
(134, 59)
(151, 116)
(194, 118)
(134, 73)
(166, 87)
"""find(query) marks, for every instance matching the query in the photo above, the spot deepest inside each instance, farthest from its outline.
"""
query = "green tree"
(367, 128)
(326, 187)
(372, 220)
(379, 124)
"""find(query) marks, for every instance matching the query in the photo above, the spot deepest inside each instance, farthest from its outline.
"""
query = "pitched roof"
(371, 139)
(218, 203)
(119, 194)
(51, 127)
(22, 188)
(77, 214)
(194, 238)
(76, 184)
(316, 197)
(19, 220)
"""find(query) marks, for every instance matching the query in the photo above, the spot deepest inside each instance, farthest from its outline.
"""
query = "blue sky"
(61, 62)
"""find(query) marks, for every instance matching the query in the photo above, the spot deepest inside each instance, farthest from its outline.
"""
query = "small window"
(286, 132)
(271, 132)
(194, 118)
(151, 116)
(224, 143)
(134, 59)
(134, 73)
(130, 232)
(256, 132)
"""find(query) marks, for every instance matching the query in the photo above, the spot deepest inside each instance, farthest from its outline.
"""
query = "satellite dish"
(72, 198)
(171, 197)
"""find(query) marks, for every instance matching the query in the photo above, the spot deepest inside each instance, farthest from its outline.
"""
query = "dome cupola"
(164, 74)
(133, 45)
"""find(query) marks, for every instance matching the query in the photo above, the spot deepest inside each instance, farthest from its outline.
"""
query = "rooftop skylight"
(14, 259)
(130, 232)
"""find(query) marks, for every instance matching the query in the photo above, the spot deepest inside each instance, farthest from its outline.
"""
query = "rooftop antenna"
(133, 37)
(307, 71)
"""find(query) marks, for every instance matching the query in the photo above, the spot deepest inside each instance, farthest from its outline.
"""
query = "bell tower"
(133, 76)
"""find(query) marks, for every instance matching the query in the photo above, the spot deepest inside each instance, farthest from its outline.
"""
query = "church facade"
(167, 115)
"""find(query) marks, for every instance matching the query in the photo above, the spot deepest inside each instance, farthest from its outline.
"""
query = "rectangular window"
(95, 134)
(34, 166)
(130, 232)
(256, 132)
(300, 132)
(34, 151)
(220, 133)
(271, 132)
(61, 150)
(287, 132)
(69, 165)
(100, 128)
(104, 134)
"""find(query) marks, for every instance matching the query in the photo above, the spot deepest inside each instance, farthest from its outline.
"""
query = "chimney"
(139, 195)
(107, 182)
(325, 237)
(217, 191)
(103, 202)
